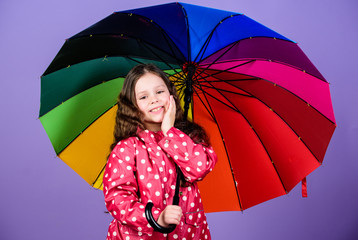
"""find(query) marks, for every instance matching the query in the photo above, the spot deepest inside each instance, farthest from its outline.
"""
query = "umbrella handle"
(149, 206)
(153, 223)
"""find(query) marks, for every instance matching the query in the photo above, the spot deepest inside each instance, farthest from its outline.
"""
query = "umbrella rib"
(187, 31)
(228, 82)
(158, 56)
(238, 111)
(148, 43)
(170, 75)
(279, 114)
(167, 40)
(217, 90)
(211, 112)
(255, 78)
(228, 91)
(165, 35)
(217, 59)
(229, 61)
(261, 59)
(264, 59)
(175, 75)
(236, 80)
(221, 55)
(99, 174)
(180, 85)
(58, 153)
(203, 78)
(250, 78)
(177, 78)
(181, 89)
(139, 40)
(298, 136)
(269, 156)
(206, 44)
(81, 133)
(281, 119)
(134, 60)
(232, 45)
(232, 108)
(225, 70)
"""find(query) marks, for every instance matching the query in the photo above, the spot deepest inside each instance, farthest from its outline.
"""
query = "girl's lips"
(154, 110)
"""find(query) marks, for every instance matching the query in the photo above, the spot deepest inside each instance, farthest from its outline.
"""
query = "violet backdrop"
(42, 198)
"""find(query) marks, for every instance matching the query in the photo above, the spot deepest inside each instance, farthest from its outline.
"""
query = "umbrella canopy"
(265, 107)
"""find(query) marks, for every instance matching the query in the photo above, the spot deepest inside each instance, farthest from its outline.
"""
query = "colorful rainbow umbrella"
(266, 108)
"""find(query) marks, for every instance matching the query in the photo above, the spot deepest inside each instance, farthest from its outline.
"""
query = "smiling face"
(152, 98)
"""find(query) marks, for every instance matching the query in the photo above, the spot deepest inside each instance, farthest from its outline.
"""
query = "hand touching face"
(169, 115)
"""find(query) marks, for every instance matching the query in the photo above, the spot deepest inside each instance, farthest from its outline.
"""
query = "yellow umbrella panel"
(81, 129)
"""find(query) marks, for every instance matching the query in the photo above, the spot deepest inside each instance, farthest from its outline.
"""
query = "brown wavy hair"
(129, 117)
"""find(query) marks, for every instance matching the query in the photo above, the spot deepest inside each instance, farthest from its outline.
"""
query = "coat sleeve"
(120, 189)
(194, 160)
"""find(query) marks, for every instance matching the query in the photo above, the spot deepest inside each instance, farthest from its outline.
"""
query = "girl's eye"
(142, 97)
(160, 91)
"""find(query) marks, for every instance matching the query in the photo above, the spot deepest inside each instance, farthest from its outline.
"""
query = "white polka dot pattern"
(145, 165)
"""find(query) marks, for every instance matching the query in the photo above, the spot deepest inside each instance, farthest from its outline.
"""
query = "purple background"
(42, 198)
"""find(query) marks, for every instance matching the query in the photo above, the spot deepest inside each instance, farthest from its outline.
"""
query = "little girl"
(152, 137)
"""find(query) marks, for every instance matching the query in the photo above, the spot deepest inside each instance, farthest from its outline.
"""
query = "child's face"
(152, 96)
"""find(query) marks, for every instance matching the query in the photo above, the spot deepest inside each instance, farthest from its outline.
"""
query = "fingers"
(169, 115)
(170, 109)
(170, 215)
(173, 215)
(172, 104)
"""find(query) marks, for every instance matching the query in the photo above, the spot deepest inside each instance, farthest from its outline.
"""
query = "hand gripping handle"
(153, 223)
(149, 206)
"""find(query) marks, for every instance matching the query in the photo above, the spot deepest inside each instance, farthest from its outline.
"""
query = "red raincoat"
(142, 169)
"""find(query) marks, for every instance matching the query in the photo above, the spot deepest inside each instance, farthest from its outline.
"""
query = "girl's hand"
(170, 215)
(169, 116)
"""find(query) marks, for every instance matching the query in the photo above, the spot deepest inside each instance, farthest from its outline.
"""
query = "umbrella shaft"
(189, 88)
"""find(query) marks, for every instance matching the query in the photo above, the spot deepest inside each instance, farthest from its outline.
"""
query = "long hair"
(129, 117)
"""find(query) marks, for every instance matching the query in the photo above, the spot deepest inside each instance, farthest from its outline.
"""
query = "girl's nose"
(153, 100)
